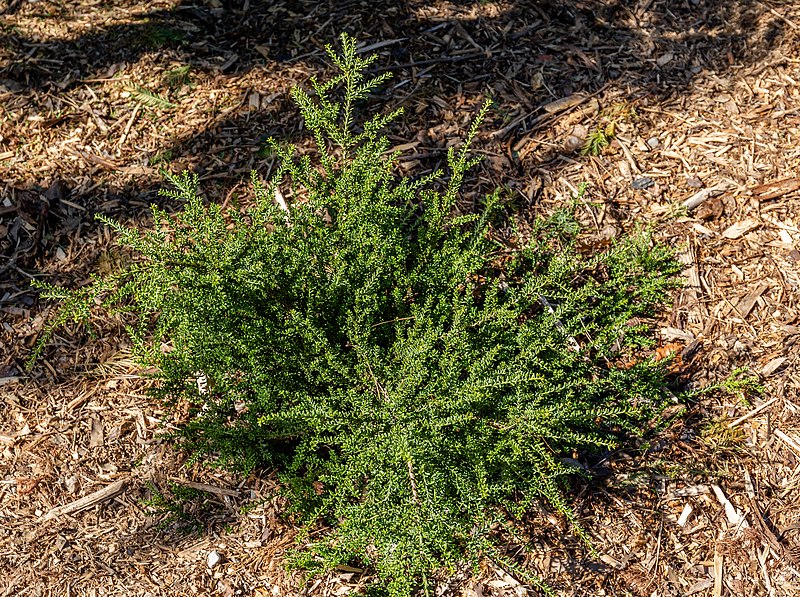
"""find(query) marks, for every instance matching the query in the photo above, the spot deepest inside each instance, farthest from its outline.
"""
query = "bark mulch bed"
(702, 105)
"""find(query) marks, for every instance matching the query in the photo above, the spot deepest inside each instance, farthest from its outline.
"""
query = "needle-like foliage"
(352, 332)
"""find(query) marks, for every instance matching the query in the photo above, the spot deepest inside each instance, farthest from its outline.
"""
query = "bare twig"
(788, 440)
(207, 488)
(705, 194)
(573, 343)
(10, 264)
(413, 482)
(443, 59)
(128, 126)
(99, 496)
(752, 413)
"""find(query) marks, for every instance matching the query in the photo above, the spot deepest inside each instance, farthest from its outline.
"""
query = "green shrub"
(369, 344)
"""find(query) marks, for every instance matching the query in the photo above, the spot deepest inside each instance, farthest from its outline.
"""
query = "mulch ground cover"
(682, 116)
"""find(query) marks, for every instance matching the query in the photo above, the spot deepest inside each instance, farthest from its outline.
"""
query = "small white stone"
(214, 558)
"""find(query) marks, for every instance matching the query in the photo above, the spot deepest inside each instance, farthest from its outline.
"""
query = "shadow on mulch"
(528, 54)
(698, 34)
(593, 42)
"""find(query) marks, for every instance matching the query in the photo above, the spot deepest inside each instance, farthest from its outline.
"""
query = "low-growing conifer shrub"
(412, 383)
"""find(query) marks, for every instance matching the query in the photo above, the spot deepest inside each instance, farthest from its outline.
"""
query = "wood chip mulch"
(701, 105)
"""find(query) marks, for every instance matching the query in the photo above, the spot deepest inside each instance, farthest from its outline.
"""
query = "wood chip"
(612, 561)
(731, 513)
(700, 586)
(684, 517)
(691, 491)
(719, 566)
(739, 229)
(96, 433)
(378, 45)
(747, 303)
(670, 334)
(773, 366)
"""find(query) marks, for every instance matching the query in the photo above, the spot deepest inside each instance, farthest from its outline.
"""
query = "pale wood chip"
(96, 433)
(739, 229)
(700, 586)
(719, 566)
(690, 491)
(684, 517)
(773, 366)
(611, 561)
(731, 513)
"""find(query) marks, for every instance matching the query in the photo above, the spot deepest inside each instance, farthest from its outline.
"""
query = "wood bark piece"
(776, 189)
(773, 366)
(565, 103)
(746, 305)
(98, 497)
(689, 298)
(376, 46)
